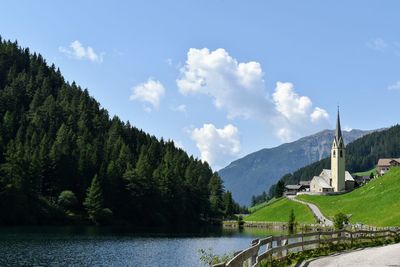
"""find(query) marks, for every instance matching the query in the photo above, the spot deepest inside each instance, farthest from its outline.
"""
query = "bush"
(67, 200)
(339, 220)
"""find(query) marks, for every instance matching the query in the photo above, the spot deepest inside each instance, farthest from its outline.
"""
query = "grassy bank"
(279, 211)
(376, 203)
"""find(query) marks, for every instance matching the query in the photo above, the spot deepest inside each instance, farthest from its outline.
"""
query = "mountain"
(256, 172)
(63, 159)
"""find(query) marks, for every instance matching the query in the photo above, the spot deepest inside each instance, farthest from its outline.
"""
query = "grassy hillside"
(365, 173)
(279, 211)
(262, 205)
(377, 203)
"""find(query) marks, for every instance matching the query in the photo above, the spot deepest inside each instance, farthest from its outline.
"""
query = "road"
(379, 256)
(325, 221)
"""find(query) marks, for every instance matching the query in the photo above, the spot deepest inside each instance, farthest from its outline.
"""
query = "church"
(337, 179)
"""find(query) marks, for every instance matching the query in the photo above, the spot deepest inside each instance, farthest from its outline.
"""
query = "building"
(293, 189)
(337, 179)
(385, 164)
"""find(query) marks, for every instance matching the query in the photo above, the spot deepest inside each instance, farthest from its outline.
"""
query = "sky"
(223, 78)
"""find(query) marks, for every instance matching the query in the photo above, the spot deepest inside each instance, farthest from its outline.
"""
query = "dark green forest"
(361, 155)
(63, 159)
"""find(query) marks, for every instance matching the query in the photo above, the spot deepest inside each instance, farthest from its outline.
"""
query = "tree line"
(63, 157)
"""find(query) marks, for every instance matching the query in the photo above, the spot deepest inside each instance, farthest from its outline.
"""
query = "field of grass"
(366, 173)
(262, 205)
(376, 203)
(279, 211)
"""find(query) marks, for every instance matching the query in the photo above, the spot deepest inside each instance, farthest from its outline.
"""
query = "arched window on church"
(334, 153)
(341, 153)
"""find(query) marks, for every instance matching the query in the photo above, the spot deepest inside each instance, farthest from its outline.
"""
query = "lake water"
(91, 246)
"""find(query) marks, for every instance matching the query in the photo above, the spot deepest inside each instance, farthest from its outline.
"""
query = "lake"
(92, 246)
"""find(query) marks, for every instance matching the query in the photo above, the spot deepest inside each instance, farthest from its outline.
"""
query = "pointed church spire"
(338, 132)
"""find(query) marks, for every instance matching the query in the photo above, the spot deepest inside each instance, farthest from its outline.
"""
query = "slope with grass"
(365, 173)
(376, 203)
(279, 211)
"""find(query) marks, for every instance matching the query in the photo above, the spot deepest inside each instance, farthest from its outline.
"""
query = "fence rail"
(279, 246)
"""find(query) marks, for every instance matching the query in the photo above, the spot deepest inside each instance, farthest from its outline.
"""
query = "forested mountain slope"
(54, 137)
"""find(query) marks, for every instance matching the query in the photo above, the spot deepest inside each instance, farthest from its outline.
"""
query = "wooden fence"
(279, 246)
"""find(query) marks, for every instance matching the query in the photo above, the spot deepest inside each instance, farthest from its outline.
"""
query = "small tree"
(94, 203)
(67, 200)
(339, 220)
(292, 221)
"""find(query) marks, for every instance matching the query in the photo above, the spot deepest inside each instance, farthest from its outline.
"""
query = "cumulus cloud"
(217, 146)
(235, 87)
(395, 86)
(149, 92)
(239, 89)
(78, 51)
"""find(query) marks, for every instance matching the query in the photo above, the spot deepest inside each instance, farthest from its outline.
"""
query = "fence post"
(351, 239)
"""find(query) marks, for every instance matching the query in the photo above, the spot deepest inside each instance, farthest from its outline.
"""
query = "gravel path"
(325, 221)
(379, 256)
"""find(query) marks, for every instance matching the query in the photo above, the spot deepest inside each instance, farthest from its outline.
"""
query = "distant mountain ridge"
(256, 172)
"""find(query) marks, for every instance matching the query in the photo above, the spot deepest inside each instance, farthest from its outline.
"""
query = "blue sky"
(223, 78)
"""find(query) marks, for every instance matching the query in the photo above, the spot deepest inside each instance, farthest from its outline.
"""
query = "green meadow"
(279, 211)
(376, 203)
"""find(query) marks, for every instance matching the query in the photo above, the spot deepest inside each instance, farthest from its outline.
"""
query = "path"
(379, 256)
(325, 221)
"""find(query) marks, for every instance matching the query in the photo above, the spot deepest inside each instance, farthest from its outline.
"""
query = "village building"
(337, 179)
(385, 164)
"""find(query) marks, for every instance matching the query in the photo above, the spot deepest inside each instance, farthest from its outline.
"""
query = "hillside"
(377, 203)
(279, 211)
(256, 172)
(54, 137)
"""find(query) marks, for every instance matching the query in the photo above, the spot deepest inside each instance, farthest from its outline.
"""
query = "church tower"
(338, 155)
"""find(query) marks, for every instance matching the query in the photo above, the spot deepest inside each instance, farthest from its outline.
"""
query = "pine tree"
(94, 202)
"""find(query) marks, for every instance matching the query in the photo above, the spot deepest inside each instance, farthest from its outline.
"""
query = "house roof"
(306, 183)
(327, 174)
(321, 182)
(386, 162)
(293, 186)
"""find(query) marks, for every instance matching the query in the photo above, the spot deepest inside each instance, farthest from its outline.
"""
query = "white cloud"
(239, 89)
(319, 114)
(181, 108)
(235, 87)
(377, 44)
(395, 86)
(77, 50)
(149, 92)
(217, 146)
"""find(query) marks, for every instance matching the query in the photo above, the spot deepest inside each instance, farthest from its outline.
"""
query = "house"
(293, 189)
(337, 179)
(385, 164)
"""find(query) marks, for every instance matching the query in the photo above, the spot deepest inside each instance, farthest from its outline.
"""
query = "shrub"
(67, 200)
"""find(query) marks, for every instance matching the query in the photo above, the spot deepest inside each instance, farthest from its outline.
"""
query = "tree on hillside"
(94, 203)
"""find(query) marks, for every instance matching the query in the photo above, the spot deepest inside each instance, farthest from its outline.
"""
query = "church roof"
(327, 174)
(321, 182)
(338, 131)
